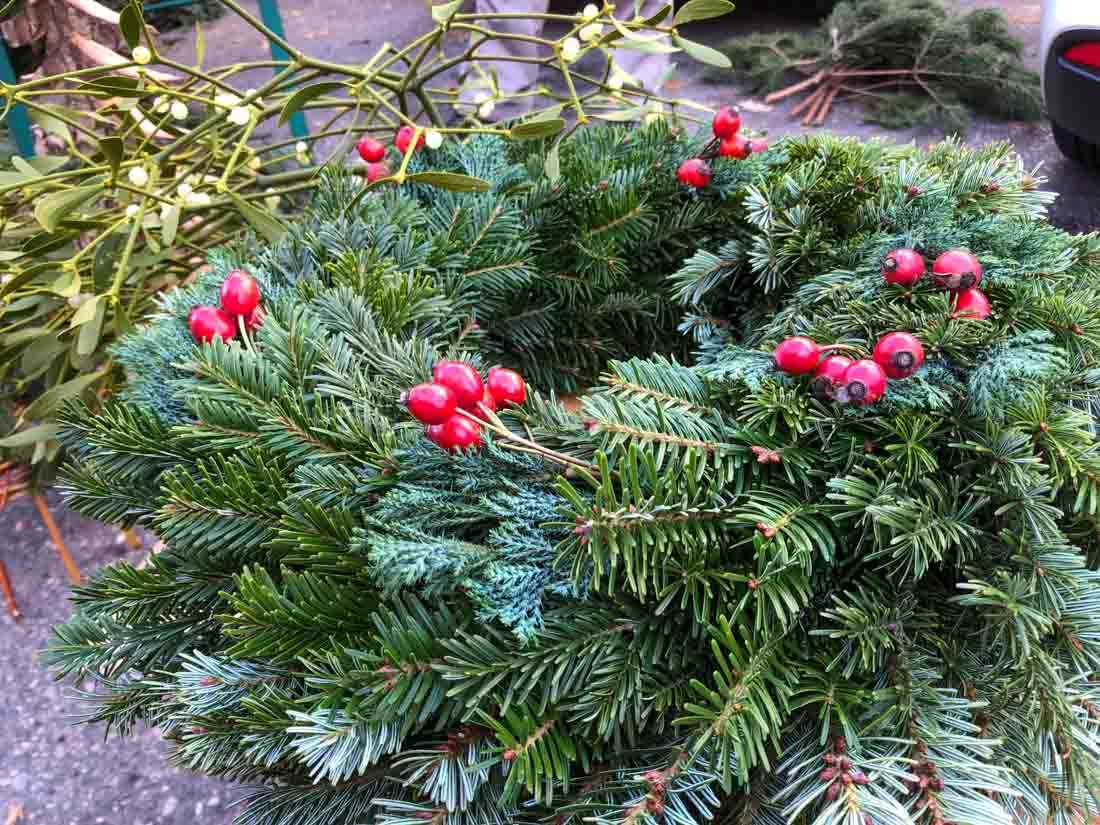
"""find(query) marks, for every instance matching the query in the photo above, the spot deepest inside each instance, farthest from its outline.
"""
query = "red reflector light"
(1087, 54)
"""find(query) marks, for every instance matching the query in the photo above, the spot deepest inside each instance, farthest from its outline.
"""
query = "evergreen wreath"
(706, 594)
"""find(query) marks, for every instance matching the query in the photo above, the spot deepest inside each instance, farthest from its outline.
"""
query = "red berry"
(900, 354)
(254, 320)
(240, 293)
(759, 144)
(903, 267)
(456, 433)
(487, 401)
(208, 323)
(462, 379)
(738, 146)
(507, 386)
(726, 123)
(377, 171)
(371, 150)
(430, 403)
(957, 269)
(864, 382)
(694, 172)
(829, 375)
(798, 355)
(404, 137)
(971, 303)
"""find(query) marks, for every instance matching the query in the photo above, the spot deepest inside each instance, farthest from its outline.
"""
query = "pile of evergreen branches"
(704, 596)
(908, 62)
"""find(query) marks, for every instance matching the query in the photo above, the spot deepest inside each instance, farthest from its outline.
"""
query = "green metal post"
(269, 13)
(19, 124)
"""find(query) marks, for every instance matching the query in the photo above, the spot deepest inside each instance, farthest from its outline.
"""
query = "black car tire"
(1074, 148)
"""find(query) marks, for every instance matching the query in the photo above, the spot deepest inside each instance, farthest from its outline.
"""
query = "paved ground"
(57, 773)
(61, 775)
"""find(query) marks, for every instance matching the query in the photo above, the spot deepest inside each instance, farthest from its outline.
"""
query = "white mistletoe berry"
(142, 55)
(485, 110)
(239, 116)
(571, 49)
(132, 210)
(591, 12)
(225, 100)
(433, 138)
(179, 110)
(590, 32)
(138, 176)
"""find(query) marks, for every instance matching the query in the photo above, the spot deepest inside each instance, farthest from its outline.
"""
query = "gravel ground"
(57, 774)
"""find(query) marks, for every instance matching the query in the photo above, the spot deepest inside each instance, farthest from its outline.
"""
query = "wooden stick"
(55, 534)
(9, 594)
(795, 88)
(810, 102)
(828, 102)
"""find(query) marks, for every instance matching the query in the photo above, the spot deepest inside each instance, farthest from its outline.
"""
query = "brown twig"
(826, 104)
(810, 102)
(490, 422)
(55, 534)
(9, 593)
(795, 88)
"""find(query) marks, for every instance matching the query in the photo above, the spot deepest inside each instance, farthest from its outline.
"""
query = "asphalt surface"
(57, 774)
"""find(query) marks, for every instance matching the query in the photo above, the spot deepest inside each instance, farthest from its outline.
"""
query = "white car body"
(1071, 88)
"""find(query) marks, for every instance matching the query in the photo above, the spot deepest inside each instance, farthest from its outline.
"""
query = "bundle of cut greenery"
(907, 61)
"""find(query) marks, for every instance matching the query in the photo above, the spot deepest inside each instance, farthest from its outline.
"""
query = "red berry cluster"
(956, 269)
(839, 771)
(374, 151)
(897, 355)
(456, 396)
(728, 143)
(240, 299)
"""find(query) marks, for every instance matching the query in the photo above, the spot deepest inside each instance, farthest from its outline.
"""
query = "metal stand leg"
(17, 120)
(269, 13)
